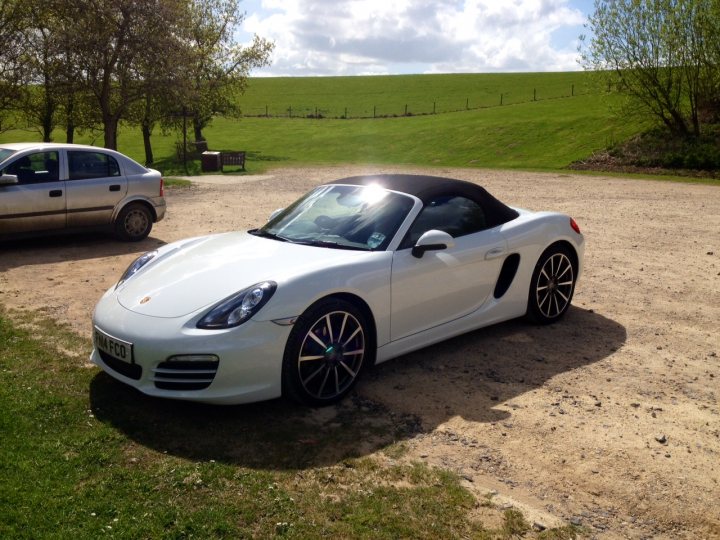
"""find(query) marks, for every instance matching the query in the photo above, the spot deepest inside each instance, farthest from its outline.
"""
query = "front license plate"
(117, 348)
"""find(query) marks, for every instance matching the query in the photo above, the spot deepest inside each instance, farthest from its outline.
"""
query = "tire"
(328, 348)
(134, 222)
(552, 285)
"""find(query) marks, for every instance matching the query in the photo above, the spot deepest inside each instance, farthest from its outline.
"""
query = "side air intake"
(507, 274)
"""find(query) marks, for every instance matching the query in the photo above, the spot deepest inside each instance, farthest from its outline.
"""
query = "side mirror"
(8, 179)
(275, 214)
(433, 240)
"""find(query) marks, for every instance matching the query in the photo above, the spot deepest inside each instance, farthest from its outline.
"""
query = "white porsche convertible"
(356, 272)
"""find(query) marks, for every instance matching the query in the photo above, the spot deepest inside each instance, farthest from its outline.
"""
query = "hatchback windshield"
(343, 217)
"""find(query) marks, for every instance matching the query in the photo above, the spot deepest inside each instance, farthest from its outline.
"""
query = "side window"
(85, 165)
(456, 216)
(35, 168)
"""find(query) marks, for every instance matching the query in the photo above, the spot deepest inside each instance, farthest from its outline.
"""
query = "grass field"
(548, 133)
(82, 456)
(353, 97)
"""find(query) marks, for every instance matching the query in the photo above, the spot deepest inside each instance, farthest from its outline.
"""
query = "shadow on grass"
(68, 247)
(467, 376)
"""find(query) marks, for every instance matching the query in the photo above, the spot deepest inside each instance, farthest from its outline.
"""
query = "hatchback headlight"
(135, 267)
(238, 308)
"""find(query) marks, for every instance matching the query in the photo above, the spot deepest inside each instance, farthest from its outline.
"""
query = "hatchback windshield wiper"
(265, 234)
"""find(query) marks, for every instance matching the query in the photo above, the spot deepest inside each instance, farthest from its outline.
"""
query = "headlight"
(133, 269)
(238, 308)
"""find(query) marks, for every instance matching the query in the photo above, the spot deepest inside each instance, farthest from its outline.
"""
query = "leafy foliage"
(91, 63)
(218, 67)
(664, 54)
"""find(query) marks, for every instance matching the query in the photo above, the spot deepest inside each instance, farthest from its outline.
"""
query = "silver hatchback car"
(48, 187)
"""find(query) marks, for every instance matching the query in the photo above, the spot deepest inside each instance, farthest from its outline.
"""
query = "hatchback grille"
(184, 375)
(133, 371)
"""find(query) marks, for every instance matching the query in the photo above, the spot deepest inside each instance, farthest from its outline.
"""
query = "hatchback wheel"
(133, 223)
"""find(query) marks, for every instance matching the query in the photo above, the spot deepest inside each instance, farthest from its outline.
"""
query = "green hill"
(353, 97)
(546, 121)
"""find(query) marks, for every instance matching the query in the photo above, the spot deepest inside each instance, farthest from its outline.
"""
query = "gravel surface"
(609, 419)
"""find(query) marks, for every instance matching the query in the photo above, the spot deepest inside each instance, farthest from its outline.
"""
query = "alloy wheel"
(331, 355)
(554, 287)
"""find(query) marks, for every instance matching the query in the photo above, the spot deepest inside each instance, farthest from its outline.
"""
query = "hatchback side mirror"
(8, 179)
(432, 240)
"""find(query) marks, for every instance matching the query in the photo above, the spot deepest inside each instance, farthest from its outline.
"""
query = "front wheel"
(133, 223)
(326, 352)
(552, 286)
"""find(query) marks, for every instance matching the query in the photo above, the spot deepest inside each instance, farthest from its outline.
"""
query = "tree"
(12, 22)
(663, 54)
(115, 42)
(43, 67)
(220, 65)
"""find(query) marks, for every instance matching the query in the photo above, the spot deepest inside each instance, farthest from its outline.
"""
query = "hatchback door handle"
(115, 187)
(494, 253)
(56, 193)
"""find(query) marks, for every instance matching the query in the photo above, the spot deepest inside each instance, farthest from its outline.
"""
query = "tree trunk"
(197, 128)
(48, 112)
(47, 119)
(110, 125)
(146, 132)
(69, 120)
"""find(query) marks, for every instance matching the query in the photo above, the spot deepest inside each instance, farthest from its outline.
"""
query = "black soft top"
(427, 188)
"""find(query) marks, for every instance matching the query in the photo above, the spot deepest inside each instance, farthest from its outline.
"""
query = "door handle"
(494, 253)
(56, 193)
(115, 187)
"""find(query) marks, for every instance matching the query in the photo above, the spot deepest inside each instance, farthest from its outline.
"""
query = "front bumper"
(249, 366)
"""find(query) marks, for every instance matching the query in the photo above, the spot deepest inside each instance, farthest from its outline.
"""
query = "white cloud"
(348, 37)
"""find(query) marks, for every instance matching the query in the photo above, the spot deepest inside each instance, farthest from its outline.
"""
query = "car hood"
(187, 276)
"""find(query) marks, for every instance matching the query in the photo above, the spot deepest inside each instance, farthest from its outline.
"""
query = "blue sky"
(365, 37)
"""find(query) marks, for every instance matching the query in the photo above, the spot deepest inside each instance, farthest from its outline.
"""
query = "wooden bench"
(232, 158)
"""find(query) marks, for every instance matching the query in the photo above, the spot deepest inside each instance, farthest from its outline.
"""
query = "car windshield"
(5, 153)
(341, 217)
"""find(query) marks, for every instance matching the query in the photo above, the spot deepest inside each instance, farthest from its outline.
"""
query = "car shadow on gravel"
(468, 376)
(62, 248)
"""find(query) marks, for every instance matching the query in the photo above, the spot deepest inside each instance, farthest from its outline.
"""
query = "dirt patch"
(609, 419)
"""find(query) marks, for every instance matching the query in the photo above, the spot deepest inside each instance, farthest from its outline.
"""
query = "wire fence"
(416, 108)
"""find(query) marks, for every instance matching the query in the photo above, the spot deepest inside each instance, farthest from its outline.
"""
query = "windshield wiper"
(264, 234)
(327, 244)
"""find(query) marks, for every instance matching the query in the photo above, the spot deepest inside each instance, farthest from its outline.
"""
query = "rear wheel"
(134, 222)
(326, 352)
(552, 285)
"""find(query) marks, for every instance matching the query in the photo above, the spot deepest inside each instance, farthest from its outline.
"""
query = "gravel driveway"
(610, 419)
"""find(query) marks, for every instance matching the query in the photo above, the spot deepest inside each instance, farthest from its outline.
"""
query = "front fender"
(368, 279)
